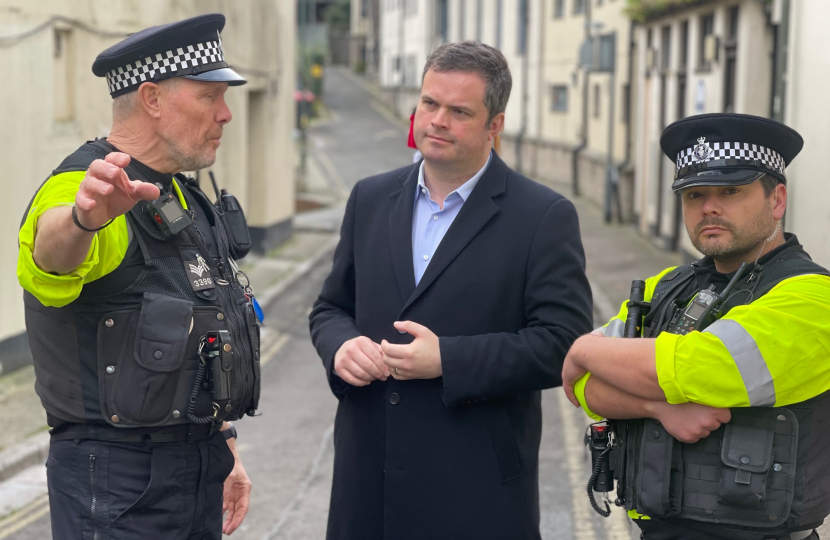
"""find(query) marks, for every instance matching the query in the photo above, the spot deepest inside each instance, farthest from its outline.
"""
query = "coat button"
(110, 370)
(176, 414)
(745, 460)
(226, 347)
(115, 419)
(109, 323)
(220, 316)
(394, 399)
(157, 355)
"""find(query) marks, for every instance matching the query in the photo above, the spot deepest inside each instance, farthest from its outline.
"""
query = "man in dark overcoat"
(457, 288)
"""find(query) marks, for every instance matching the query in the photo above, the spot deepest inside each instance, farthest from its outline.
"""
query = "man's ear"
(148, 98)
(495, 127)
(779, 201)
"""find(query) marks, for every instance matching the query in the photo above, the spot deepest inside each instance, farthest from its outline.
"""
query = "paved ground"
(288, 450)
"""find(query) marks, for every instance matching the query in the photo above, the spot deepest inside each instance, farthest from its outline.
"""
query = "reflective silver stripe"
(615, 328)
(748, 358)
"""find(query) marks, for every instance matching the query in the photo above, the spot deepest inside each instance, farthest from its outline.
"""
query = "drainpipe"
(585, 99)
(627, 161)
(525, 91)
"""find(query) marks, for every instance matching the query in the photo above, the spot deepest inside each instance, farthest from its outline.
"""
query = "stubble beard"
(741, 243)
(187, 160)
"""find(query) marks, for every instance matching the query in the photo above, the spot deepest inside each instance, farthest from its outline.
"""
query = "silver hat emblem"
(702, 150)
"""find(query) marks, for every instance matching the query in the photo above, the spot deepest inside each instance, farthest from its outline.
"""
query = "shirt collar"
(464, 189)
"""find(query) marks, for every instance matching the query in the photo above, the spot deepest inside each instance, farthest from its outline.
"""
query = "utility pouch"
(658, 483)
(747, 458)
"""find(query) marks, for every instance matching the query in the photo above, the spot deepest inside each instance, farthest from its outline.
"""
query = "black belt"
(169, 434)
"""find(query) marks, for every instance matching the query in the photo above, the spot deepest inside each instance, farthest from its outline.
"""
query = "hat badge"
(702, 150)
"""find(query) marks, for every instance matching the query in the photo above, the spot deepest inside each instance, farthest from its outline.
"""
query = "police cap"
(190, 48)
(728, 149)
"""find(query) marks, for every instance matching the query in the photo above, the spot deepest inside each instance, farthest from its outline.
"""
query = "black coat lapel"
(400, 232)
(478, 209)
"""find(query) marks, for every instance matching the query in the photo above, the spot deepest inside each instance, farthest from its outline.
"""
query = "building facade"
(707, 57)
(58, 104)
(363, 47)
(803, 104)
(561, 114)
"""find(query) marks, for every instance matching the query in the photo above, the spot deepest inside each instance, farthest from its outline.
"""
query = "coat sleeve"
(332, 319)
(557, 308)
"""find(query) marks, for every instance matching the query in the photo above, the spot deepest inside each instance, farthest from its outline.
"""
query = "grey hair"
(486, 61)
(125, 105)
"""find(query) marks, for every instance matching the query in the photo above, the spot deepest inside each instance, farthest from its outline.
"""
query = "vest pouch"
(658, 480)
(254, 334)
(747, 457)
(233, 218)
(140, 355)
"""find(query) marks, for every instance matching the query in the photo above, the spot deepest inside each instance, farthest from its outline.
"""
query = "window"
(579, 6)
(63, 73)
(706, 54)
(559, 98)
(558, 9)
(479, 19)
(684, 45)
(665, 48)
(733, 23)
(499, 29)
(462, 19)
(441, 12)
(626, 104)
(682, 78)
(523, 13)
(597, 97)
(731, 60)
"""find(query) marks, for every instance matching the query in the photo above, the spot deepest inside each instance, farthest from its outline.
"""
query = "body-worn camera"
(168, 215)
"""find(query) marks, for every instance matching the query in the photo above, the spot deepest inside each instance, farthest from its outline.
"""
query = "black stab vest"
(125, 352)
(764, 473)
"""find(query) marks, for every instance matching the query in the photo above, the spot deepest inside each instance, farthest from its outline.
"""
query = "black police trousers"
(123, 491)
(655, 530)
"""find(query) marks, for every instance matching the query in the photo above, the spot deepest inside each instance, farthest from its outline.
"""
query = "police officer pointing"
(721, 404)
(145, 342)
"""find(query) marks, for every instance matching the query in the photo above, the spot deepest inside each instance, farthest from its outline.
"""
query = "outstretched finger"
(144, 190)
(119, 159)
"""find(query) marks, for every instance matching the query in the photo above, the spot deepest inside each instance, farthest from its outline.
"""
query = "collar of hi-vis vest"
(705, 268)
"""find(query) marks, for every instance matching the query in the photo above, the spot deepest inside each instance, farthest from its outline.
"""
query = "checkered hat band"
(751, 154)
(164, 65)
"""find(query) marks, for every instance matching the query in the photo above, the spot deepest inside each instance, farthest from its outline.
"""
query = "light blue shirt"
(430, 223)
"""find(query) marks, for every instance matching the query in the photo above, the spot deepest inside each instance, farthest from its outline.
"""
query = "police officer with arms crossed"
(722, 405)
(145, 343)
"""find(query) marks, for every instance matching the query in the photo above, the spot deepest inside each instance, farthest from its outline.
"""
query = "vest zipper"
(94, 499)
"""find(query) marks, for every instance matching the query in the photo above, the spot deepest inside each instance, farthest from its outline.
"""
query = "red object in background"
(411, 142)
(304, 95)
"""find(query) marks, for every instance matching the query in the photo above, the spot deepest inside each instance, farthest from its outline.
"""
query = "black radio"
(704, 308)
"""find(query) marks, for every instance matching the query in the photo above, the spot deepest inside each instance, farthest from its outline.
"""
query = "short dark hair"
(769, 182)
(486, 61)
